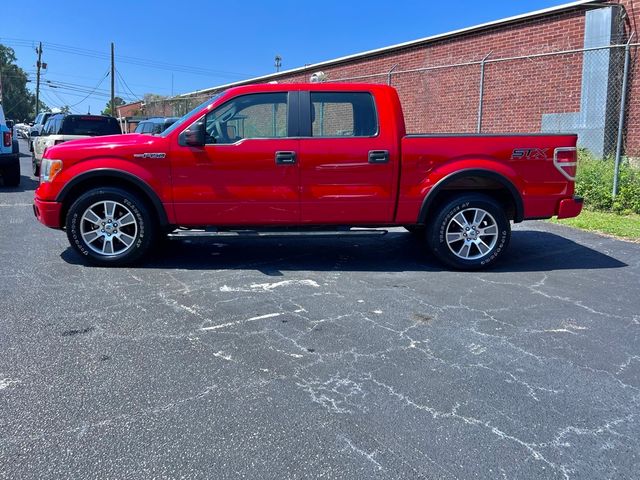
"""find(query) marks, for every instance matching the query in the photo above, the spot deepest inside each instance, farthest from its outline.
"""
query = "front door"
(247, 173)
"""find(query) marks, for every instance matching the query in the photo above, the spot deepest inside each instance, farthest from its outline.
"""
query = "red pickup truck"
(308, 156)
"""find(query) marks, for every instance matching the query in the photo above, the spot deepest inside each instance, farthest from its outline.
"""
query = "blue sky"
(197, 44)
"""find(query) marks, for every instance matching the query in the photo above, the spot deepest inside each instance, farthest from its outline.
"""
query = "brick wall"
(516, 92)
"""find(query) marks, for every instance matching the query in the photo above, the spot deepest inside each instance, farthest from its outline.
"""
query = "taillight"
(6, 139)
(565, 160)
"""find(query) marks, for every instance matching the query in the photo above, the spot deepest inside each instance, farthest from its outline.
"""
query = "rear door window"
(90, 126)
(343, 114)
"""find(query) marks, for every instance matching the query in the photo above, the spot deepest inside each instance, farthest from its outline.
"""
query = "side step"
(355, 232)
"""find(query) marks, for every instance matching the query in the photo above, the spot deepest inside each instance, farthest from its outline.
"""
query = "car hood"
(108, 145)
(109, 141)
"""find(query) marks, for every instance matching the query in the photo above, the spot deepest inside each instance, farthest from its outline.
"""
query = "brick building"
(550, 70)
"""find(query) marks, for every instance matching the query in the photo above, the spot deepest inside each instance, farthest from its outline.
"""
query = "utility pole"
(38, 66)
(113, 84)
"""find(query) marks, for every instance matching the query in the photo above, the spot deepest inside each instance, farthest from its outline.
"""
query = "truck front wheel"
(110, 226)
(469, 232)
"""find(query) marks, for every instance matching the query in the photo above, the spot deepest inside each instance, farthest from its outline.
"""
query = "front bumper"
(570, 207)
(47, 213)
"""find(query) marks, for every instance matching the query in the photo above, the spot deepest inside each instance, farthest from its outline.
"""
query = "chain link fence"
(587, 91)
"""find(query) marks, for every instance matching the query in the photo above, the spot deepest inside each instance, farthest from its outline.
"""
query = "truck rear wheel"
(110, 227)
(469, 232)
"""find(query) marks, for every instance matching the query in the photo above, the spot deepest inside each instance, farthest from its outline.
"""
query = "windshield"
(186, 116)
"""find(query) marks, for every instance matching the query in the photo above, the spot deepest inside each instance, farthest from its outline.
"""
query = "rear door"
(346, 169)
(247, 173)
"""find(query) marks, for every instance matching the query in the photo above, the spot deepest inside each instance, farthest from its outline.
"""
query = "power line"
(92, 93)
(127, 86)
(143, 62)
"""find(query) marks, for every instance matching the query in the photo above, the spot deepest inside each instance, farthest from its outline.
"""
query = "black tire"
(35, 168)
(128, 242)
(473, 246)
(11, 174)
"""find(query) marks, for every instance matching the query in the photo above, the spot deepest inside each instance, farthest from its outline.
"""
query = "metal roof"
(399, 46)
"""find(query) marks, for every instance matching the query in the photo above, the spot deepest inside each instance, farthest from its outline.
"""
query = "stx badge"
(529, 153)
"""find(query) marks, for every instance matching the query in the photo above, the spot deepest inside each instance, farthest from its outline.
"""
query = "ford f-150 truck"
(304, 156)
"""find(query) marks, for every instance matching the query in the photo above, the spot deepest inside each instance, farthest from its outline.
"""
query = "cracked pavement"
(317, 358)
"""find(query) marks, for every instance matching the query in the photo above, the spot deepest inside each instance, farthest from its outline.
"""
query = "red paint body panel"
(235, 184)
(332, 181)
(47, 213)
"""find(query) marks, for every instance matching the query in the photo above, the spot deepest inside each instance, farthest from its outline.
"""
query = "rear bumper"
(570, 207)
(47, 213)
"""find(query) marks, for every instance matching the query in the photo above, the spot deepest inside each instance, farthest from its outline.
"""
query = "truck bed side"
(523, 164)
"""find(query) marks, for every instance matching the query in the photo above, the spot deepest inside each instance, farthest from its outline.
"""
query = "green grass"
(608, 223)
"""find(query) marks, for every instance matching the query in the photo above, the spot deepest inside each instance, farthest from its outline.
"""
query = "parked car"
(38, 125)
(155, 126)
(305, 156)
(62, 128)
(9, 154)
(21, 130)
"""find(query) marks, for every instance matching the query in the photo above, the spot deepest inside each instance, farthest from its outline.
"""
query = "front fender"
(156, 183)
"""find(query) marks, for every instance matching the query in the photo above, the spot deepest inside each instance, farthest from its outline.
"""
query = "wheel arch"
(474, 180)
(110, 178)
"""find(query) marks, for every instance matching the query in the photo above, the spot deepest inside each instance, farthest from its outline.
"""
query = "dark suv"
(155, 126)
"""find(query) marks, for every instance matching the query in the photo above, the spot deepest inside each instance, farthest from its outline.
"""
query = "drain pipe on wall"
(623, 104)
(389, 74)
(482, 63)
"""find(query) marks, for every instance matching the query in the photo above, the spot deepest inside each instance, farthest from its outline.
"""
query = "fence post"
(623, 104)
(389, 74)
(479, 128)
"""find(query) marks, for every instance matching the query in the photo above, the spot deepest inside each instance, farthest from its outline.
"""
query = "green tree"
(66, 110)
(108, 110)
(17, 101)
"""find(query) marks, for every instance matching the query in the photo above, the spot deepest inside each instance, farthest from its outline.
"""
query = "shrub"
(594, 182)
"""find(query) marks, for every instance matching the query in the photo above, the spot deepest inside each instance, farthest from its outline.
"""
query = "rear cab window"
(343, 114)
(90, 125)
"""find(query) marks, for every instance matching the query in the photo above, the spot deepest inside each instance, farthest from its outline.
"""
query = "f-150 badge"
(149, 155)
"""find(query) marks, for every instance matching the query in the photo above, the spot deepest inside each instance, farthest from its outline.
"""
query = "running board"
(273, 234)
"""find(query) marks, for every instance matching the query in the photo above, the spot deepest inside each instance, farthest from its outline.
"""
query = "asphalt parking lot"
(317, 358)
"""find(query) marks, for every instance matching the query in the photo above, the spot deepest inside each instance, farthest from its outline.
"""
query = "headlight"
(49, 169)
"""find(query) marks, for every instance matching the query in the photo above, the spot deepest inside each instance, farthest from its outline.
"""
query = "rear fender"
(442, 178)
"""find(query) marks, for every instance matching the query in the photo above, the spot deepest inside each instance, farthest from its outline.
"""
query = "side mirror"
(31, 124)
(193, 136)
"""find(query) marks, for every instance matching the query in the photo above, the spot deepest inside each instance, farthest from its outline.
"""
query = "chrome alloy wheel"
(108, 228)
(472, 233)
